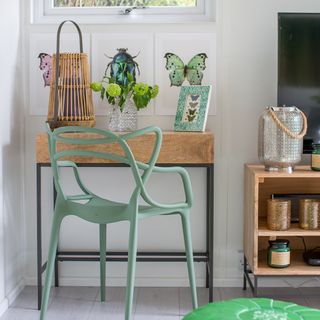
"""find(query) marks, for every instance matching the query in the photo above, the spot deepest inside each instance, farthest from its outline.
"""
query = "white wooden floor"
(82, 303)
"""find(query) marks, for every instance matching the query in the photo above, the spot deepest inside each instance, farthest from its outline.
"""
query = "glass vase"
(125, 120)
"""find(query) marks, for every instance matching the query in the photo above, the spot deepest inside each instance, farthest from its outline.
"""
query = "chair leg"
(132, 254)
(103, 262)
(189, 254)
(50, 263)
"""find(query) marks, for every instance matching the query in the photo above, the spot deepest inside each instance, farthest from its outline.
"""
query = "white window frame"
(43, 12)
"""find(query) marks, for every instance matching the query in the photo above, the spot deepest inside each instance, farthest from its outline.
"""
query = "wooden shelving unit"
(294, 230)
(259, 186)
(296, 268)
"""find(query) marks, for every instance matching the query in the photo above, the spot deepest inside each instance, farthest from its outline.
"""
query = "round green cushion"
(253, 309)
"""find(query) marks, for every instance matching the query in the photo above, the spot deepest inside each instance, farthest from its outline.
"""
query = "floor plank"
(76, 293)
(83, 303)
(185, 301)
(20, 314)
(27, 299)
(153, 302)
(114, 306)
(69, 309)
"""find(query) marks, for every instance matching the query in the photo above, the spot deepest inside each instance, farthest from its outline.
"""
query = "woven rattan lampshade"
(70, 101)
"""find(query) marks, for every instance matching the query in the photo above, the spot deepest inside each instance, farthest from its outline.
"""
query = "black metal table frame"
(246, 278)
(206, 256)
(253, 284)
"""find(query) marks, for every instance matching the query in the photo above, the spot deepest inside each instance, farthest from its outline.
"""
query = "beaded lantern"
(70, 101)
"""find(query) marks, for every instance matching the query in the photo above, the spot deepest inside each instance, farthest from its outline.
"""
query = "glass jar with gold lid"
(315, 157)
(279, 253)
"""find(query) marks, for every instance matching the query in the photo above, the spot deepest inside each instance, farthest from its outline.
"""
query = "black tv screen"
(299, 68)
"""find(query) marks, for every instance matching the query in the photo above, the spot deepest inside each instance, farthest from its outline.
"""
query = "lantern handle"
(59, 31)
(56, 102)
(285, 129)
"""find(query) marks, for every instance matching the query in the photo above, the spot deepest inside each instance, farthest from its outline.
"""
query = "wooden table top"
(189, 148)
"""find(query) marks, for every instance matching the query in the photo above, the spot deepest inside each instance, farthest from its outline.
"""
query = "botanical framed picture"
(193, 106)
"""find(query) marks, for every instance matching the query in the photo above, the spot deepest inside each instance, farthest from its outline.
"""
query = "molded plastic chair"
(93, 208)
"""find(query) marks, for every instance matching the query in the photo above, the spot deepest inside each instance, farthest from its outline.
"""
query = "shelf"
(299, 172)
(297, 267)
(263, 231)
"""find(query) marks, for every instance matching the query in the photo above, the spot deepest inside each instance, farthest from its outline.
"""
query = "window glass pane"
(122, 3)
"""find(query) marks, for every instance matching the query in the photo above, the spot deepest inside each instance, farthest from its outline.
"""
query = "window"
(124, 3)
(123, 11)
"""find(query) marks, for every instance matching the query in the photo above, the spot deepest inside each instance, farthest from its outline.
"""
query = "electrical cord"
(304, 243)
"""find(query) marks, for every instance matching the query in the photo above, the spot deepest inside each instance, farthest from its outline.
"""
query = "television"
(299, 68)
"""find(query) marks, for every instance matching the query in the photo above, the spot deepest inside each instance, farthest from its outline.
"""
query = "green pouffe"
(253, 309)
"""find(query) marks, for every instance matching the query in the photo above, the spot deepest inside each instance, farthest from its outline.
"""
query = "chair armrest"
(71, 164)
(186, 185)
(150, 167)
(156, 149)
(185, 180)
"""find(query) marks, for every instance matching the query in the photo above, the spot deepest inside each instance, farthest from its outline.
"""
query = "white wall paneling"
(11, 155)
(246, 80)
(185, 45)
(46, 42)
(106, 44)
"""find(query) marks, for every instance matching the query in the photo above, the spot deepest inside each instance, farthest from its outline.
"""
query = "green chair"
(93, 208)
(253, 309)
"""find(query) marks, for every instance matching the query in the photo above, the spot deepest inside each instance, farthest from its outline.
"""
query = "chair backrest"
(74, 142)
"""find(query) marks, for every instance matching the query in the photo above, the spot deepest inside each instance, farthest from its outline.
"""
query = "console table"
(187, 149)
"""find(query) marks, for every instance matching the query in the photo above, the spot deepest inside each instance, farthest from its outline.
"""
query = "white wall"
(246, 83)
(11, 175)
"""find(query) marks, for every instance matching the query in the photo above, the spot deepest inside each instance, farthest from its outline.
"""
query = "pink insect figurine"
(46, 65)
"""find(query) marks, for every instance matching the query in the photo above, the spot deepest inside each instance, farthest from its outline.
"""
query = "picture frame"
(193, 107)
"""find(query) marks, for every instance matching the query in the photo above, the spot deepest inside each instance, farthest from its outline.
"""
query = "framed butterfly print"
(192, 71)
(192, 110)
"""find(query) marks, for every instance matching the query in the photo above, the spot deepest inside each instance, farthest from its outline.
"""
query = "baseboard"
(12, 295)
(7, 301)
(183, 282)
(121, 282)
(4, 305)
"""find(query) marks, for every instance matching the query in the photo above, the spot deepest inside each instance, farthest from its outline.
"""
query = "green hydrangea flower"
(117, 94)
(96, 86)
(113, 90)
(140, 89)
(154, 91)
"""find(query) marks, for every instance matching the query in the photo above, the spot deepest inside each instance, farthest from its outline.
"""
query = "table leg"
(207, 231)
(245, 272)
(210, 221)
(255, 288)
(39, 240)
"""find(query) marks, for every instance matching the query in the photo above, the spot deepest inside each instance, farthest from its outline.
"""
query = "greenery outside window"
(124, 11)
(124, 3)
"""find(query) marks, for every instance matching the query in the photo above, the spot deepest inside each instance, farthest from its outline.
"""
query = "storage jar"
(315, 157)
(279, 214)
(279, 253)
(309, 210)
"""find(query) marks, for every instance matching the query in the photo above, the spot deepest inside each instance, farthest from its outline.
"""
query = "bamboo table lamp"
(70, 100)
